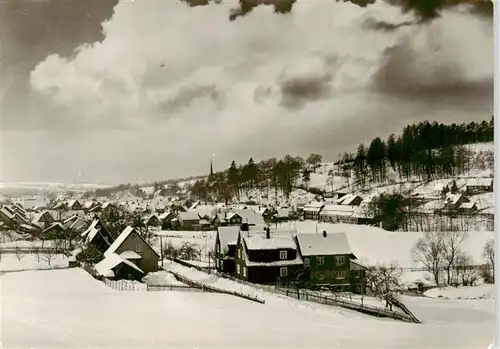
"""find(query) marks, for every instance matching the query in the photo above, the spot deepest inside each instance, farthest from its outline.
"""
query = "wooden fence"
(189, 265)
(208, 288)
(330, 300)
(366, 309)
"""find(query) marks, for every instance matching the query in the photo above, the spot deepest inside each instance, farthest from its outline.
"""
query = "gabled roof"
(58, 225)
(318, 245)
(486, 182)
(188, 216)
(276, 242)
(121, 239)
(107, 264)
(227, 235)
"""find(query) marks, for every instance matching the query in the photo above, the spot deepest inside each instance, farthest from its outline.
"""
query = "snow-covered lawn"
(484, 291)
(442, 311)
(27, 244)
(11, 262)
(70, 309)
(162, 278)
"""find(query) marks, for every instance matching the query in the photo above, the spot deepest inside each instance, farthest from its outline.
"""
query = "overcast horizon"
(98, 92)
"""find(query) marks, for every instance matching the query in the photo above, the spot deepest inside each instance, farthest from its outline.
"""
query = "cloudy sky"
(107, 92)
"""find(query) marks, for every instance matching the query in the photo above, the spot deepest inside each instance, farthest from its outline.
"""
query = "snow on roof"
(54, 225)
(250, 216)
(111, 261)
(453, 198)
(336, 209)
(279, 241)
(314, 206)
(91, 228)
(467, 205)
(318, 245)
(486, 182)
(227, 235)
(130, 255)
(347, 199)
(119, 240)
(188, 216)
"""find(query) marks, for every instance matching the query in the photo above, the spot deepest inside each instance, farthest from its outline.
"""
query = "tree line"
(271, 174)
(425, 151)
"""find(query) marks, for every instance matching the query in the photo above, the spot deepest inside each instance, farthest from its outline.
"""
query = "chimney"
(324, 233)
(268, 233)
(244, 227)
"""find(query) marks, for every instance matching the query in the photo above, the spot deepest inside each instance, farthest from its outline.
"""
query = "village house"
(152, 220)
(76, 224)
(98, 236)
(74, 205)
(328, 258)
(43, 219)
(468, 208)
(55, 229)
(478, 185)
(338, 214)
(312, 210)
(165, 219)
(238, 216)
(128, 257)
(266, 259)
(225, 248)
(188, 220)
(453, 202)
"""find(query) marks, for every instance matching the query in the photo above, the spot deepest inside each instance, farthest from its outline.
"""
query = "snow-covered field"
(483, 291)
(70, 309)
(13, 262)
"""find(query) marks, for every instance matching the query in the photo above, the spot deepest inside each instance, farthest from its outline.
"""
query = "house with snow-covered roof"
(479, 185)
(128, 257)
(312, 210)
(97, 235)
(267, 258)
(330, 261)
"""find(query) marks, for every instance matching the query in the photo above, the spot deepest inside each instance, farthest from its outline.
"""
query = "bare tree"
(170, 251)
(489, 256)
(48, 255)
(384, 279)
(188, 251)
(451, 252)
(467, 274)
(428, 250)
(19, 253)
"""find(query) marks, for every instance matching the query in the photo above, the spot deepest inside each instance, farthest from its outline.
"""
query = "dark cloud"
(186, 96)
(297, 91)
(374, 24)
(403, 76)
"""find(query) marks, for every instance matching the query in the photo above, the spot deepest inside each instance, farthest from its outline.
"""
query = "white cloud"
(223, 86)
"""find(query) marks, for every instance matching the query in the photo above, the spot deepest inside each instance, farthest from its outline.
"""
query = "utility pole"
(161, 250)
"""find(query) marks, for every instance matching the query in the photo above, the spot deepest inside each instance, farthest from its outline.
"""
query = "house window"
(356, 274)
(306, 262)
(244, 272)
(320, 260)
(340, 260)
(282, 254)
(138, 247)
(283, 271)
(218, 248)
(339, 274)
(239, 253)
(321, 277)
(238, 269)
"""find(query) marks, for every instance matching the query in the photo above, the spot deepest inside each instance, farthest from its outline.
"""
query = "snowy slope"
(69, 309)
